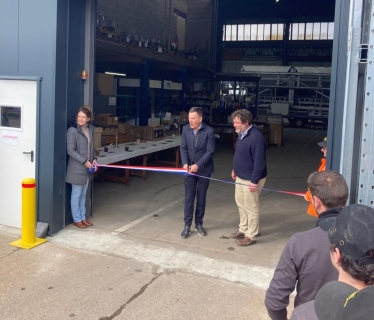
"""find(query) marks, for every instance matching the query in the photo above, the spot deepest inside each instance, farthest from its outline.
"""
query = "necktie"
(195, 139)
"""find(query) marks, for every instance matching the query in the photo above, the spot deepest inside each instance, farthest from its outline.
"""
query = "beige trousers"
(249, 207)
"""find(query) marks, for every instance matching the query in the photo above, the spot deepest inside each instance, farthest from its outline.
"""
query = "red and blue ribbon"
(183, 171)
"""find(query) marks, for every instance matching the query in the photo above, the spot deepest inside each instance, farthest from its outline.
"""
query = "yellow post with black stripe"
(28, 239)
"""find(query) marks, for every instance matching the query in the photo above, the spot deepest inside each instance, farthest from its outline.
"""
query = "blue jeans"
(78, 201)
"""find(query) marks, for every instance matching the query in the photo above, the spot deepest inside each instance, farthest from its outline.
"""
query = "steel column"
(366, 155)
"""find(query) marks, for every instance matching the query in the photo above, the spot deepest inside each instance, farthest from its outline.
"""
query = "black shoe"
(186, 232)
(200, 230)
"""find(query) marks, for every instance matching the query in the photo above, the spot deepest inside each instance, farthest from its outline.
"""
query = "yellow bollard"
(28, 239)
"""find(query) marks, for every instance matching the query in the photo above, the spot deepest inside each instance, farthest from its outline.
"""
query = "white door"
(18, 108)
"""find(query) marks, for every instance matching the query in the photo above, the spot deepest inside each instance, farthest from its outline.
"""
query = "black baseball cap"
(323, 144)
(339, 300)
(353, 232)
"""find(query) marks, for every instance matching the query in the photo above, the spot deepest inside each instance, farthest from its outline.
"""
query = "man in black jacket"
(352, 255)
(249, 174)
(197, 148)
(305, 261)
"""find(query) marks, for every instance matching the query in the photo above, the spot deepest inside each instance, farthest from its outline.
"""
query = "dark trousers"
(194, 186)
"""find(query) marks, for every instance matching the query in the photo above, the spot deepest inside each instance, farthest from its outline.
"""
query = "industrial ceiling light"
(116, 74)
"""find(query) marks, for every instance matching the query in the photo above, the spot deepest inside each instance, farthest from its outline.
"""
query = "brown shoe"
(87, 223)
(80, 224)
(237, 235)
(245, 242)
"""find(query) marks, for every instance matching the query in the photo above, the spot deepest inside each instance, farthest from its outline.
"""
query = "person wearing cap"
(311, 210)
(352, 254)
(305, 261)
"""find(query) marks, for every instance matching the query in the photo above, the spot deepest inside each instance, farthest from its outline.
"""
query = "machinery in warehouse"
(301, 95)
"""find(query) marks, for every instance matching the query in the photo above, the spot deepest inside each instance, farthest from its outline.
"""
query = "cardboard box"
(108, 131)
(97, 137)
(149, 133)
(276, 134)
(123, 128)
(106, 119)
(122, 138)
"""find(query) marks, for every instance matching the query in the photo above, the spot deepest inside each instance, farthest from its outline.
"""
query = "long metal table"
(135, 150)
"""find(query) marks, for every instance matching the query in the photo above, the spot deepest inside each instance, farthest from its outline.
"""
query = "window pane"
(260, 32)
(267, 34)
(316, 30)
(247, 32)
(324, 26)
(223, 34)
(253, 32)
(228, 32)
(280, 31)
(274, 32)
(295, 31)
(301, 31)
(331, 30)
(10, 117)
(234, 29)
(240, 32)
(309, 31)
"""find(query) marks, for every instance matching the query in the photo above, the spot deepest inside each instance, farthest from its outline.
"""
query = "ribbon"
(183, 171)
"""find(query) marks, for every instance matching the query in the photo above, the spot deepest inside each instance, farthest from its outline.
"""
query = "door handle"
(31, 153)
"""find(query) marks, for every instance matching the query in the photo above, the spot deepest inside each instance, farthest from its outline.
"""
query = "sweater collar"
(326, 219)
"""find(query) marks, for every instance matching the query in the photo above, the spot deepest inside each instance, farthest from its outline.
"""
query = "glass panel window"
(301, 31)
(247, 32)
(316, 30)
(234, 32)
(260, 32)
(10, 117)
(240, 32)
(253, 32)
(223, 33)
(309, 31)
(274, 32)
(267, 35)
(228, 33)
(280, 31)
(324, 27)
(331, 31)
(295, 31)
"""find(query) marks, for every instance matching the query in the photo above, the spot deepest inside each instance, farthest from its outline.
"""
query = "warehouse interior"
(220, 55)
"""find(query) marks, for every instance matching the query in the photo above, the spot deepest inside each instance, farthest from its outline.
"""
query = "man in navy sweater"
(250, 175)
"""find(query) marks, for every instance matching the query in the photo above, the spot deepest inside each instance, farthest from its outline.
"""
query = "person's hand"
(193, 168)
(233, 175)
(252, 187)
(94, 161)
(305, 198)
(88, 165)
(185, 167)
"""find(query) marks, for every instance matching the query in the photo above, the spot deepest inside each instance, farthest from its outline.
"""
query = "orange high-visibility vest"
(308, 196)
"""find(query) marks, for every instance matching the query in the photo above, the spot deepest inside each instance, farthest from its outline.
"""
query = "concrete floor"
(133, 262)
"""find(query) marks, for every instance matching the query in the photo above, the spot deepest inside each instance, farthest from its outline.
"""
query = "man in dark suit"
(197, 147)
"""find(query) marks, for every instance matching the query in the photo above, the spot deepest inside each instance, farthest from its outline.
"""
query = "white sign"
(112, 101)
(167, 116)
(10, 137)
